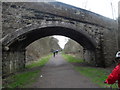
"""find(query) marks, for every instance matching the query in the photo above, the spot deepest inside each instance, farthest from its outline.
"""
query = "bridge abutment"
(118, 32)
(89, 57)
(109, 46)
(13, 61)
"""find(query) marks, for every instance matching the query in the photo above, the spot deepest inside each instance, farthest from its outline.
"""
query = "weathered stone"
(13, 61)
(118, 32)
(25, 22)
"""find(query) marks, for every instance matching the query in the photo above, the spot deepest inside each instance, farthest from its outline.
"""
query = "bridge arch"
(36, 20)
(14, 43)
(24, 36)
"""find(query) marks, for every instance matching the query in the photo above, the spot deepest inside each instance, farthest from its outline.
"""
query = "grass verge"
(20, 80)
(28, 77)
(40, 62)
(97, 75)
(71, 58)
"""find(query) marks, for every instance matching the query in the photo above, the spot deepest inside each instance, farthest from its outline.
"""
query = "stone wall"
(19, 14)
(109, 46)
(12, 61)
(89, 57)
(119, 25)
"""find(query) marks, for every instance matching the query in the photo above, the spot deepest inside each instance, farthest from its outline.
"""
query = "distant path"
(58, 73)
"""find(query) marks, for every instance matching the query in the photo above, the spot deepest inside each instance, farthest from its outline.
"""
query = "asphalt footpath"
(58, 73)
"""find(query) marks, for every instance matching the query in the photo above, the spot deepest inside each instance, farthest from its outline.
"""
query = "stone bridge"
(25, 22)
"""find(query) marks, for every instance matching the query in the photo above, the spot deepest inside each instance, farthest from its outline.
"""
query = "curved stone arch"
(52, 28)
(43, 14)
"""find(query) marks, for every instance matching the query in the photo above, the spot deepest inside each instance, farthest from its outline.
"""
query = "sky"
(102, 7)
(107, 8)
(62, 40)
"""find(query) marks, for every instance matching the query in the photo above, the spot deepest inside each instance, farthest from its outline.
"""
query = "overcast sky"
(107, 8)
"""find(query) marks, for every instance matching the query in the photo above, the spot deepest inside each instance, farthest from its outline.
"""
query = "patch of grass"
(27, 77)
(72, 59)
(19, 80)
(40, 62)
(97, 75)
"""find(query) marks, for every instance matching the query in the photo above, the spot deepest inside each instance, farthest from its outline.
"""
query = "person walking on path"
(115, 75)
(54, 52)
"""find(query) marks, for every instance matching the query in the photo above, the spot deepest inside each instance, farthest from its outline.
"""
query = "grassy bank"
(28, 76)
(40, 62)
(97, 75)
(21, 79)
(72, 59)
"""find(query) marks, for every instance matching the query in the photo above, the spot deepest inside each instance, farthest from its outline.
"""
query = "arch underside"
(27, 38)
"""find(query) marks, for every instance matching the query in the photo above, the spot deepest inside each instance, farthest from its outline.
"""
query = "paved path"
(58, 73)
